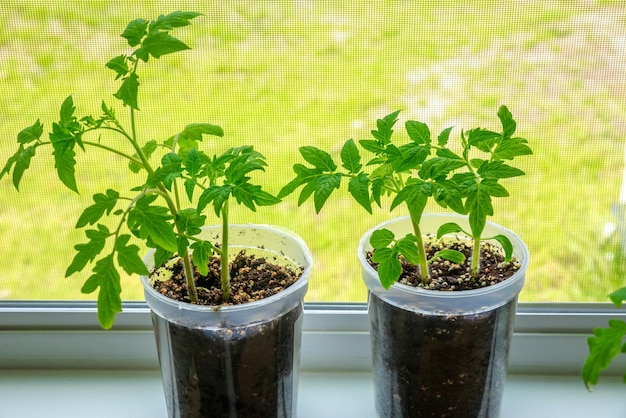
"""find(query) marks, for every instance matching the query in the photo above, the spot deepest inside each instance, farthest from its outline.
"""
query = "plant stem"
(225, 275)
(420, 248)
(476, 257)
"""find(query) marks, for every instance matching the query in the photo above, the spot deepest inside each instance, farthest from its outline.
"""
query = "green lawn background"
(281, 74)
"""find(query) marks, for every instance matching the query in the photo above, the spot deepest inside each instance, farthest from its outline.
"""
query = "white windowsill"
(56, 362)
(138, 394)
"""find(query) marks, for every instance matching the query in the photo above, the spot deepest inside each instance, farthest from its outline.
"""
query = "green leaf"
(384, 132)
(304, 175)
(482, 139)
(87, 252)
(449, 228)
(202, 250)
(104, 203)
(507, 246)
(412, 156)
(372, 146)
(152, 222)
(31, 133)
(350, 157)
(318, 158)
(414, 194)
(64, 163)
(251, 195)
(479, 207)
(389, 267)
(418, 132)
(148, 149)
(135, 31)
(107, 279)
(195, 131)
(66, 113)
(193, 162)
(618, 297)
(173, 20)
(492, 188)
(159, 44)
(511, 148)
(128, 256)
(498, 170)
(161, 256)
(444, 137)
(381, 238)
(128, 91)
(358, 188)
(189, 221)
(438, 168)
(506, 118)
(605, 345)
(118, 64)
(407, 247)
(21, 159)
(324, 186)
(451, 255)
(216, 195)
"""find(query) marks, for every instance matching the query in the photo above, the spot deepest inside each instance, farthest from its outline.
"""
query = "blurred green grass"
(281, 74)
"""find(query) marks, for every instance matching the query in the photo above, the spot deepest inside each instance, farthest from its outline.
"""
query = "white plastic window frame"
(549, 339)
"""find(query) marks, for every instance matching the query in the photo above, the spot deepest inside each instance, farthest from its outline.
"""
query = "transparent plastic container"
(440, 353)
(240, 360)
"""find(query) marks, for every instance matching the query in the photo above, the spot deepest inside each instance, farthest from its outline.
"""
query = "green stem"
(476, 257)
(420, 248)
(224, 256)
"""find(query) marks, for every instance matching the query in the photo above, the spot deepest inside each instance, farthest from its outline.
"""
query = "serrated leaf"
(389, 267)
(252, 195)
(444, 137)
(358, 188)
(479, 207)
(202, 250)
(161, 256)
(107, 279)
(189, 221)
(64, 163)
(103, 203)
(413, 193)
(371, 146)
(30, 133)
(412, 157)
(350, 157)
(195, 131)
(618, 296)
(118, 64)
(438, 168)
(482, 139)
(87, 252)
(135, 31)
(21, 159)
(173, 20)
(407, 247)
(324, 186)
(148, 149)
(418, 132)
(605, 345)
(152, 222)
(384, 132)
(381, 238)
(448, 228)
(511, 148)
(492, 188)
(128, 91)
(318, 158)
(451, 255)
(216, 195)
(506, 118)
(498, 170)
(128, 256)
(66, 113)
(159, 44)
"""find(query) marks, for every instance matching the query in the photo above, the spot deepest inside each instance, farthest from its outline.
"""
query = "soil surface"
(449, 276)
(252, 279)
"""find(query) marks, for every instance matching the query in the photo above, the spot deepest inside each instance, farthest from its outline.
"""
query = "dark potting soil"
(430, 365)
(232, 371)
(439, 366)
(252, 279)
